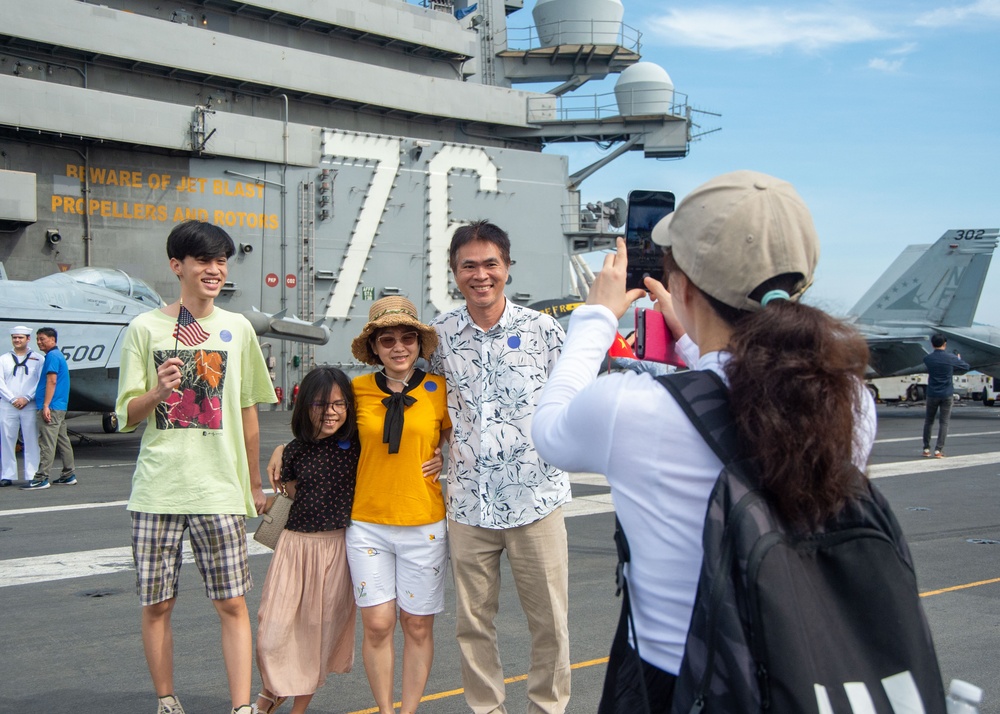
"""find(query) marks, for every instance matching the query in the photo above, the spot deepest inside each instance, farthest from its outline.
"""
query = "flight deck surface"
(70, 616)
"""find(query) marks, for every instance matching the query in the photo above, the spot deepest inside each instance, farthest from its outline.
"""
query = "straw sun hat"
(392, 311)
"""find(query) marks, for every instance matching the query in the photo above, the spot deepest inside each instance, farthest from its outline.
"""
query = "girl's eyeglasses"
(338, 406)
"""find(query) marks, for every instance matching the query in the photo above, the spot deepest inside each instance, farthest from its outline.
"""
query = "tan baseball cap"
(738, 230)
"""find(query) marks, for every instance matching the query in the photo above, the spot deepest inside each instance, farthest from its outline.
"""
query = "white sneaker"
(169, 705)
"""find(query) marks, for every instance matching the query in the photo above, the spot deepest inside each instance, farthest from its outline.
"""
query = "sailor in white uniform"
(19, 372)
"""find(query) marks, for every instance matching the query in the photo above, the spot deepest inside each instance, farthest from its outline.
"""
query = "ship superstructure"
(339, 142)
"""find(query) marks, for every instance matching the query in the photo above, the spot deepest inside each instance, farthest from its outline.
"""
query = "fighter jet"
(930, 289)
(90, 309)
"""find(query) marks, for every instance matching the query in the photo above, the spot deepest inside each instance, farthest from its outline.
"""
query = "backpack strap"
(621, 584)
(704, 397)
(624, 678)
(624, 556)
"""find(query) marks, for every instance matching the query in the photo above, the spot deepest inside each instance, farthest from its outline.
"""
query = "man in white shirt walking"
(496, 357)
(19, 371)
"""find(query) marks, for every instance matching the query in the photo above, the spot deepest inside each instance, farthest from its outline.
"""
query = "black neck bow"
(395, 404)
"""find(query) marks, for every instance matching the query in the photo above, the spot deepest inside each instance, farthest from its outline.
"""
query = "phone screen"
(645, 209)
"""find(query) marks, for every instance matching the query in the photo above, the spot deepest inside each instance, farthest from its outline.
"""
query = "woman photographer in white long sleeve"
(739, 251)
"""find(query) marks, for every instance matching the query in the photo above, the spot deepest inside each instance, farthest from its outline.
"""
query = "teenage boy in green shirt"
(194, 373)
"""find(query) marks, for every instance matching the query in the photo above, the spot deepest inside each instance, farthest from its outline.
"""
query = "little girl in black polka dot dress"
(307, 611)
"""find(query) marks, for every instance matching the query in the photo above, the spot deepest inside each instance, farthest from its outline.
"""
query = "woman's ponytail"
(795, 378)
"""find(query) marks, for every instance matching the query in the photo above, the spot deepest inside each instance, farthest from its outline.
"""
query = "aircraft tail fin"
(938, 284)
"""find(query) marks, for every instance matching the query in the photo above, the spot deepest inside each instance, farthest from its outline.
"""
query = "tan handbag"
(273, 522)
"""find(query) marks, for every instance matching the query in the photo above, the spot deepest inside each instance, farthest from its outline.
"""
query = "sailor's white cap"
(21, 330)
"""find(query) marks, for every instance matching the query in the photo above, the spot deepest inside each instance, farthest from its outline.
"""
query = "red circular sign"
(271, 280)
(290, 281)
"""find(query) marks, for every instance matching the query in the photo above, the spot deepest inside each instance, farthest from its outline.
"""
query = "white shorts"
(402, 563)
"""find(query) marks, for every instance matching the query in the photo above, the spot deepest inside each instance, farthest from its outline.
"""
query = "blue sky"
(883, 115)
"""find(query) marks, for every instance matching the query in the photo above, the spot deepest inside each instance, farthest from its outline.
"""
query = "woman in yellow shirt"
(397, 543)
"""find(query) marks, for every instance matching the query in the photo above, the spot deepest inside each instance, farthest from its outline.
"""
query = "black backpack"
(826, 623)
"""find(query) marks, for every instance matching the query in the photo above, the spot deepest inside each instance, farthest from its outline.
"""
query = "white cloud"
(956, 15)
(904, 49)
(883, 65)
(763, 29)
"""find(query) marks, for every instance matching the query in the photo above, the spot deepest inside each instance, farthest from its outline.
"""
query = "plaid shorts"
(219, 543)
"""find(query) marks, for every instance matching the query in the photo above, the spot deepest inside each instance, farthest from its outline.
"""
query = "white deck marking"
(921, 465)
(63, 566)
(588, 505)
(918, 436)
(70, 507)
(74, 507)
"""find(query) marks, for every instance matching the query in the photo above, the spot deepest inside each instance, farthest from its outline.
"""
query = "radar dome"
(578, 22)
(644, 88)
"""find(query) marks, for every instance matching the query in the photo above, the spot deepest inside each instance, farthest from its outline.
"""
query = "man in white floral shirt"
(496, 357)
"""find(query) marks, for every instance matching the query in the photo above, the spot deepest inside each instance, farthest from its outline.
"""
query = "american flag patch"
(188, 331)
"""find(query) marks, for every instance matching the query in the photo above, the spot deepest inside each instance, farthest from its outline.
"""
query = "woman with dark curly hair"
(739, 252)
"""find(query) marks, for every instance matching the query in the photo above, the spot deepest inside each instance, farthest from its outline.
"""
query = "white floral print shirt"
(496, 479)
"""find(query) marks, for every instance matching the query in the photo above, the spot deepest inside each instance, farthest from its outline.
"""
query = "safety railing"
(439, 5)
(572, 32)
(589, 107)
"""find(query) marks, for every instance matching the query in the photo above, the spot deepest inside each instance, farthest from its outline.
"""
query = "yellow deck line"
(603, 660)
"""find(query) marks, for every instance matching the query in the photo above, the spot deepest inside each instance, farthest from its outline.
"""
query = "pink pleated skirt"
(305, 627)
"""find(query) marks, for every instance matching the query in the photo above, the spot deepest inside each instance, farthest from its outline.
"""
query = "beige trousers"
(539, 561)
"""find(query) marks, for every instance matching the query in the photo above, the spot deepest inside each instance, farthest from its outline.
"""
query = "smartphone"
(645, 209)
(653, 341)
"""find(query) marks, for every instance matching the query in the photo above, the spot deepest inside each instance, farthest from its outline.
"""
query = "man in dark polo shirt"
(941, 366)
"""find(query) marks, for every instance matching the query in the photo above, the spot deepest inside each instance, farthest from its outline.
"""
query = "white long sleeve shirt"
(629, 428)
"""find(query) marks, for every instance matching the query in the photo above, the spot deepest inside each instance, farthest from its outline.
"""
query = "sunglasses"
(387, 342)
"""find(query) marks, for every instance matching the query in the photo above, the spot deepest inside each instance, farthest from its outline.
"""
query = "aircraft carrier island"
(340, 143)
